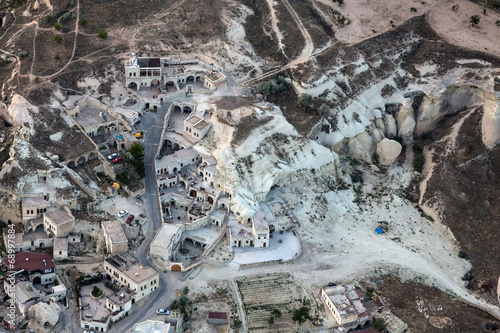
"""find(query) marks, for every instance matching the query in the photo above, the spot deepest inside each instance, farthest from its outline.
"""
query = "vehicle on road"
(113, 156)
(122, 213)
(331, 284)
(86, 331)
(118, 159)
(162, 311)
(130, 219)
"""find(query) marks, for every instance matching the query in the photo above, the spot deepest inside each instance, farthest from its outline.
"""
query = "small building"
(213, 80)
(165, 244)
(130, 116)
(217, 318)
(59, 222)
(34, 205)
(196, 127)
(260, 228)
(26, 295)
(345, 304)
(139, 279)
(116, 241)
(38, 268)
(120, 303)
(60, 248)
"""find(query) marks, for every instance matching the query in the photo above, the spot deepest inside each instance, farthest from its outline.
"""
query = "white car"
(162, 311)
(113, 156)
(122, 213)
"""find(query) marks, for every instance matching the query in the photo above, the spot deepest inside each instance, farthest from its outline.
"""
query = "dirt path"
(274, 22)
(239, 303)
(304, 56)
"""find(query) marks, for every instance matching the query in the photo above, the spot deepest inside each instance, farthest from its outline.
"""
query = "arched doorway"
(201, 174)
(187, 109)
(42, 244)
(37, 280)
(198, 78)
(101, 130)
(176, 268)
(155, 83)
(177, 108)
(91, 157)
(170, 84)
(132, 85)
(210, 200)
(190, 79)
(71, 164)
(81, 160)
(193, 193)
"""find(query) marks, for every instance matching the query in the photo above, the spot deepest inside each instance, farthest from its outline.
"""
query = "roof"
(136, 273)
(194, 119)
(148, 62)
(60, 243)
(260, 221)
(217, 315)
(125, 112)
(168, 160)
(185, 153)
(211, 168)
(25, 291)
(114, 230)
(202, 124)
(34, 201)
(30, 261)
(122, 296)
(59, 216)
(164, 236)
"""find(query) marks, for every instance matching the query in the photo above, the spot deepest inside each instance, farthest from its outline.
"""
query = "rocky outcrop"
(388, 151)
(44, 315)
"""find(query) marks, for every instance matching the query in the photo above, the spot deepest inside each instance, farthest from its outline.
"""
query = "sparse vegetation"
(301, 314)
(497, 22)
(341, 20)
(413, 9)
(103, 34)
(57, 26)
(57, 57)
(137, 152)
(58, 39)
(340, 2)
(454, 8)
(305, 99)
(82, 22)
(392, 24)
(324, 110)
(23, 54)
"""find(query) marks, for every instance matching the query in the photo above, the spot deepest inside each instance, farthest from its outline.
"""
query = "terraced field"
(263, 294)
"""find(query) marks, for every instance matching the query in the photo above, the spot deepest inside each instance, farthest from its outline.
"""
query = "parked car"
(130, 219)
(86, 331)
(122, 213)
(331, 284)
(118, 159)
(113, 156)
(162, 311)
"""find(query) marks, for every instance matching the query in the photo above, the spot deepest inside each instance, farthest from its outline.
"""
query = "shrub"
(66, 17)
(57, 57)
(305, 99)
(185, 291)
(102, 34)
(23, 54)
(413, 9)
(58, 38)
(497, 23)
(375, 157)
(454, 8)
(47, 19)
(96, 292)
(324, 110)
(82, 22)
(418, 162)
(474, 20)
(379, 324)
(300, 315)
(57, 26)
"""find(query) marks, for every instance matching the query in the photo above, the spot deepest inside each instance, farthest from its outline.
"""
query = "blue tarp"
(379, 231)
(120, 137)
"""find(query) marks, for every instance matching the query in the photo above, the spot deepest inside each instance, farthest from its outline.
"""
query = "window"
(60, 252)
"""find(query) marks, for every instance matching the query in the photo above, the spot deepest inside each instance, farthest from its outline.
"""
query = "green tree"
(379, 324)
(82, 22)
(265, 88)
(418, 162)
(305, 99)
(58, 38)
(102, 34)
(270, 321)
(300, 315)
(137, 151)
(324, 110)
(474, 20)
(185, 291)
(237, 323)
(57, 26)
(454, 8)
(276, 313)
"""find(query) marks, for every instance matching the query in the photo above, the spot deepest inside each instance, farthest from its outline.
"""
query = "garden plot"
(263, 294)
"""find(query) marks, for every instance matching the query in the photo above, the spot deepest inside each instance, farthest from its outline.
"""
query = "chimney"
(45, 262)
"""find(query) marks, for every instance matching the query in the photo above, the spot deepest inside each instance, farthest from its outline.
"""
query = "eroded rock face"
(388, 151)
(45, 314)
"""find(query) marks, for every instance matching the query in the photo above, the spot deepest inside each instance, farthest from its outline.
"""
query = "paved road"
(165, 293)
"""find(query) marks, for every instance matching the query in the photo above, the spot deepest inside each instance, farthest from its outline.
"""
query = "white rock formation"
(388, 151)
(20, 111)
(43, 313)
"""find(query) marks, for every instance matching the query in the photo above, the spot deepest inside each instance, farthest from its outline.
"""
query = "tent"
(379, 230)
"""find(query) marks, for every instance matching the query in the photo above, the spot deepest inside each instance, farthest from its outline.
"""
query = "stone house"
(116, 241)
(59, 221)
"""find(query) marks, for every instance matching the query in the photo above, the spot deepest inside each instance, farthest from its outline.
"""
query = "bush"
(418, 162)
(96, 292)
(454, 8)
(474, 20)
(66, 17)
(57, 57)
(185, 291)
(413, 9)
(305, 99)
(324, 110)
(102, 34)
(379, 324)
(300, 315)
(47, 19)
(58, 38)
(23, 54)
(82, 22)
(57, 26)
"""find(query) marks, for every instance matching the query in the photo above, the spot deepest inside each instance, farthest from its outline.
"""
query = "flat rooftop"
(164, 236)
(125, 112)
(91, 116)
(59, 216)
(60, 244)
(152, 326)
(121, 297)
(186, 153)
(114, 230)
(136, 273)
(202, 124)
(260, 221)
(194, 119)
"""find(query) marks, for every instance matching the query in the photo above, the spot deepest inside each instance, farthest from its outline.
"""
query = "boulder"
(388, 151)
